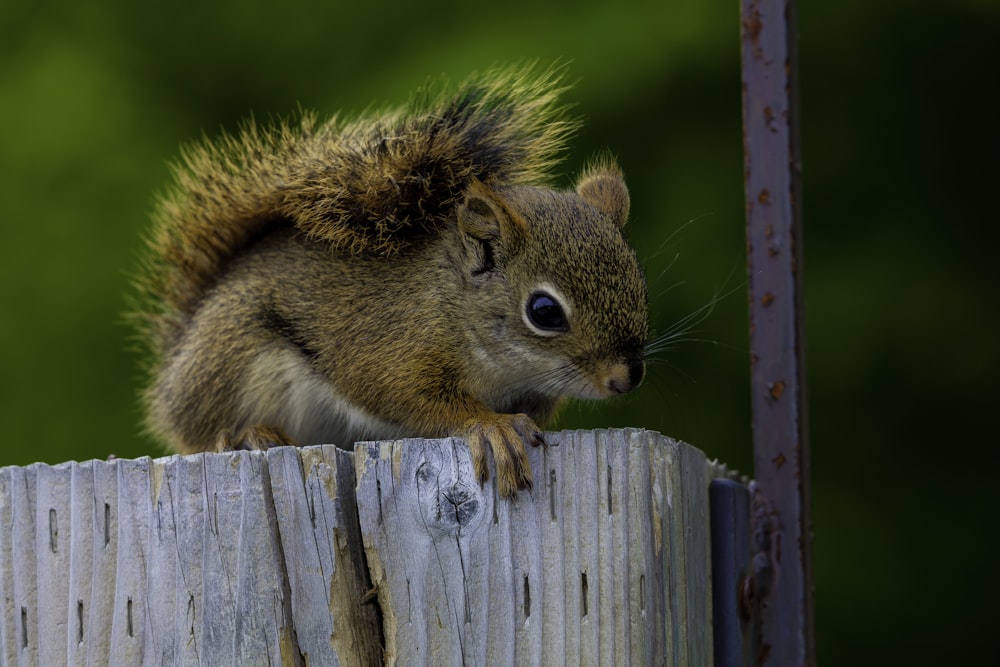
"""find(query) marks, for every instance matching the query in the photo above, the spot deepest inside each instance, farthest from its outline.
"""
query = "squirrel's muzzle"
(626, 376)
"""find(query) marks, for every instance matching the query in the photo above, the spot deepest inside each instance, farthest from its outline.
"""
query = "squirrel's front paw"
(505, 436)
(258, 436)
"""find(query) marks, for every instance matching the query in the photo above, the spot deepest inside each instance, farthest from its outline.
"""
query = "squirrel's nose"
(631, 376)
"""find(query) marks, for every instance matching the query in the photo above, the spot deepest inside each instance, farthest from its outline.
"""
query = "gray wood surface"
(605, 561)
(395, 553)
(218, 559)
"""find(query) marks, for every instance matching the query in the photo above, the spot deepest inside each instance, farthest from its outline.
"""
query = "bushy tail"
(369, 185)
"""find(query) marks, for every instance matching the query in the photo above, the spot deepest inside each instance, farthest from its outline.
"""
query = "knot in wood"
(451, 509)
(460, 505)
(449, 497)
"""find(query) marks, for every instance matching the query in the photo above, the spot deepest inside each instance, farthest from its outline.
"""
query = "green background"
(900, 145)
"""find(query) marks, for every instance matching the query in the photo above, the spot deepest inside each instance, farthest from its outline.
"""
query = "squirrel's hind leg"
(258, 436)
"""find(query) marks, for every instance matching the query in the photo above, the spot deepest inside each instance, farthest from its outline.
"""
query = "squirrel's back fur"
(370, 185)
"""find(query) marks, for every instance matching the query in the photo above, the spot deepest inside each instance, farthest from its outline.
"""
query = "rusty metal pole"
(779, 594)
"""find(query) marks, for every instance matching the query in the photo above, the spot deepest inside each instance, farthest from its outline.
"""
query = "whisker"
(548, 382)
(670, 237)
(661, 293)
(684, 329)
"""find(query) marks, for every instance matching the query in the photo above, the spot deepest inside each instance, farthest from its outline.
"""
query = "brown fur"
(370, 280)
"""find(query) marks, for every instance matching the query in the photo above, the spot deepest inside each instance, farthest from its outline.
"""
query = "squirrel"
(409, 272)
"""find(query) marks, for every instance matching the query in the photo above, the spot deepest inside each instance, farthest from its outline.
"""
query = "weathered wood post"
(607, 557)
(245, 558)
(393, 553)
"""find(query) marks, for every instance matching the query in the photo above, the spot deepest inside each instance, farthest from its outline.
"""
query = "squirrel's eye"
(545, 313)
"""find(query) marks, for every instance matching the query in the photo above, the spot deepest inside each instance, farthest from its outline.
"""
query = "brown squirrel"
(407, 273)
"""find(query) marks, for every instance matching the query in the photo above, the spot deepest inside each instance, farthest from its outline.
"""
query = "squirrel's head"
(556, 284)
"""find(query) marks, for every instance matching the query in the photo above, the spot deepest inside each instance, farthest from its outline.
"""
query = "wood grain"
(391, 554)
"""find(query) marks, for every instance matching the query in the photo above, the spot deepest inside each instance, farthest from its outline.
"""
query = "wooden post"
(263, 558)
(244, 558)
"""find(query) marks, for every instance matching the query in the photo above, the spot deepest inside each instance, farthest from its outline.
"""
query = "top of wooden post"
(285, 557)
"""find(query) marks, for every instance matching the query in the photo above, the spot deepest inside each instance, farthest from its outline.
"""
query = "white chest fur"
(281, 389)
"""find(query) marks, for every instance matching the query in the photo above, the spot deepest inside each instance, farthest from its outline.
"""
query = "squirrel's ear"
(603, 187)
(483, 216)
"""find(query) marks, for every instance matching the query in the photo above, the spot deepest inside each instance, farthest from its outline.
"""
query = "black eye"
(545, 313)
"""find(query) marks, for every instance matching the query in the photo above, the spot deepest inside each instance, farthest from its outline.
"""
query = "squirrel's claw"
(258, 436)
(505, 436)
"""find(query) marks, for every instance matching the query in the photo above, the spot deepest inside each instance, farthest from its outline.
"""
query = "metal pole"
(779, 594)
(729, 508)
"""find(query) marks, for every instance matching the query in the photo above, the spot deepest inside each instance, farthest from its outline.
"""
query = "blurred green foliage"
(900, 142)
